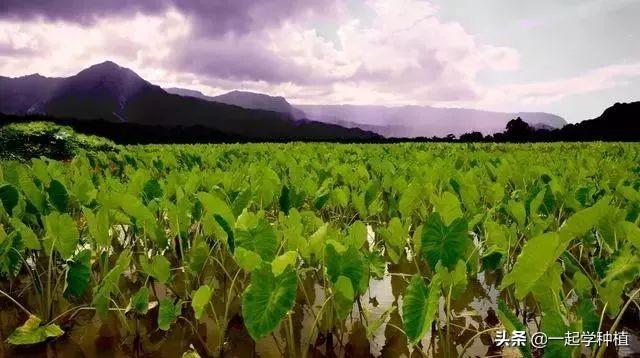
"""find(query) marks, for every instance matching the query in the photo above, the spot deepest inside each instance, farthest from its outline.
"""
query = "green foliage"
(267, 300)
(444, 243)
(250, 231)
(419, 307)
(31, 332)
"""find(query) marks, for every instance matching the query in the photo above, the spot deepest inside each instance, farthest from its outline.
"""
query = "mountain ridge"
(117, 94)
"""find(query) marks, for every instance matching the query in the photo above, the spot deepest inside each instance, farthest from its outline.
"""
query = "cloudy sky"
(570, 57)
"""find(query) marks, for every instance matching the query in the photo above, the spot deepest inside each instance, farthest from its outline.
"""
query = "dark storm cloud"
(213, 16)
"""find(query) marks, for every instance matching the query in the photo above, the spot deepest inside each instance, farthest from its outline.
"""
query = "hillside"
(116, 94)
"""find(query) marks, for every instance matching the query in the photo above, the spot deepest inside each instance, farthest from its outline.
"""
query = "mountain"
(416, 121)
(249, 100)
(618, 122)
(117, 94)
(21, 95)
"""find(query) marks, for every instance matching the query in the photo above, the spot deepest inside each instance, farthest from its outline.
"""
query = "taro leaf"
(58, 195)
(409, 200)
(200, 300)
(343, 296)
(260, 239)
(197, 256)
(357, 234)
(589, 316)
(9, 197)
(283, 261)
(78, 274)
(62, 234)
(517, 211)
(625, 267)
(419, 307)
(377, 263)
(631, 233)
(168, 312)
(581, 284)
(536, 257)
(267, 300)
(321, 199)
(231, 242)
(241, 201)
(109, 283)
(29, 238)
(31, 332)
(34, 195)
(139, 302)
(512, 323)
(443, 243)
(497, 238)
(395, 237)
(216, 206)
(10, 249)
(151, 191)
(349, 263)
(582, 221)
(98, 225)
(553, 325)
(190, 354)
(448, 206)
(371, 193)
(285, 199)
(84, 190)
(375, 325)
(159, 268)
(247, 259)
(455, 280)
(611, 295)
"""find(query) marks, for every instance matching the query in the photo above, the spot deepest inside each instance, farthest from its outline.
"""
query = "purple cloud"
(214, 16)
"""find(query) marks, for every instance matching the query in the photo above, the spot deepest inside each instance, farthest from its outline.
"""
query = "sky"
(573, 58)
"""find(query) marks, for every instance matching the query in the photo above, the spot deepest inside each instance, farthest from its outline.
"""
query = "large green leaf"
(260, 239)
(582, 221)
(139, 302)
(343, 296)
(98, 225)
(31, 332)
(62, 234)
(58, 195)
(349, 263)
(419, 306)
(109, 284)
(9, 196)
(78, 274)
(168, 312)
(410, 199)
(536, 257)
(448, 207)
(200, 300)
(159, 268)
(280, 263)
(29, 238)
(267, 300)
(442, 243)
(247, 259)
(455, 280)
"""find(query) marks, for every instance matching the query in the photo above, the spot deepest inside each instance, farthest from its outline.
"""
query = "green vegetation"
(289, 242)
(22, 141)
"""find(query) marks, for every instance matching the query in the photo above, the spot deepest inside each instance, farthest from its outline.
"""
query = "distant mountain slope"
(21, 95)
(414, 121)
(110, 92)
(618, 122)
(249, 100)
